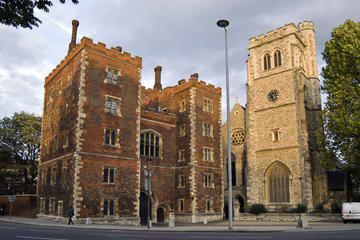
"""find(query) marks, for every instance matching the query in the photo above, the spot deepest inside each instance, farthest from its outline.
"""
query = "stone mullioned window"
(149, 144)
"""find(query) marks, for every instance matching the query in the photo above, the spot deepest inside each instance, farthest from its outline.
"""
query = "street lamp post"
(223, 24)
(149, 195)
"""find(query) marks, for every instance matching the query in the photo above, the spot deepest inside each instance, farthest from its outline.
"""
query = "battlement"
(306, 25)
(288, 29)
(86, 42)
(113, 51)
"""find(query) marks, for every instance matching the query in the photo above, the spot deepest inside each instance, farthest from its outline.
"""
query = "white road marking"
(42, 238)
(222, 237)
(7, 228)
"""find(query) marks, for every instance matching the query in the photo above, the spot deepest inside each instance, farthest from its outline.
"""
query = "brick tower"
(90, 139)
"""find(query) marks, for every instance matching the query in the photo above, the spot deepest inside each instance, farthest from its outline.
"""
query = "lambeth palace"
(103, 131)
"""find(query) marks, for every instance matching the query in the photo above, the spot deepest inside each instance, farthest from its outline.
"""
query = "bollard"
(88, 220)
(304, 222)
(171, 223)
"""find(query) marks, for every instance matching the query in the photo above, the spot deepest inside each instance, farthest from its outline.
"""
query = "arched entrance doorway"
(226, 211)
(144, 208)
(160, 215)
(241, 203)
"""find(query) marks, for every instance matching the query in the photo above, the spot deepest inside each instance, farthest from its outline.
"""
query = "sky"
(179, 35)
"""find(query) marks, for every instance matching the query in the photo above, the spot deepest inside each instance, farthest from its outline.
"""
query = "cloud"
(181, 36)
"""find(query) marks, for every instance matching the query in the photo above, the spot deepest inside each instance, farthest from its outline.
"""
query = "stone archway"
(144, 208)
(163, 212)
(160, 215)
(241, 203)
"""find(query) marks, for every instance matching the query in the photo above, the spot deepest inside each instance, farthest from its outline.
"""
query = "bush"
(319, 209)
(336, 207)
(257, 208)
(301, 208)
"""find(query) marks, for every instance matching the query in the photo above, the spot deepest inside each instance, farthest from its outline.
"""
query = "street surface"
(10, 231)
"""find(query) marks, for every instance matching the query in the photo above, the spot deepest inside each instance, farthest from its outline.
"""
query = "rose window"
(237, 137)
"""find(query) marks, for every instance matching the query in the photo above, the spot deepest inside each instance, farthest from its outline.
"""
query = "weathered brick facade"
(100, 127)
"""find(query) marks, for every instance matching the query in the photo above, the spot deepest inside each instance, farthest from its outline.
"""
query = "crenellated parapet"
(87, 43)
(281, 32)
(193, 81)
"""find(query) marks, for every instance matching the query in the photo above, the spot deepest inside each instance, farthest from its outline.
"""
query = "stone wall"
(289, 217)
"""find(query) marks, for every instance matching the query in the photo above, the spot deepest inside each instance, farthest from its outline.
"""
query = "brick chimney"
(157, 85)
(72, 44)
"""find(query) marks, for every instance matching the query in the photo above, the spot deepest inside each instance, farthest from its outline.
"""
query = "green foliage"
(301, 208)
(20, 147)
(319, 209)
(257, 208)
(341, 116)
(21, 13)
(336, 207)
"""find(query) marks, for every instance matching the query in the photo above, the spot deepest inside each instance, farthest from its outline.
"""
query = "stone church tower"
(282, 116)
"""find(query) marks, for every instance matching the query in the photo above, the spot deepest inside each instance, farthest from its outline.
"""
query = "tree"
(20, 148)
(341, 115)
(21, 12)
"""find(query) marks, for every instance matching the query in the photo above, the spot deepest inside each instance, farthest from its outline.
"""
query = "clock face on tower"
(273, 95)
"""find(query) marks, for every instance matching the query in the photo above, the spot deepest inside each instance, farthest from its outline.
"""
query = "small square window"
(182, 130)
(208, 178)
(275, 135)
(42, 205)
(181, 205)
(66, 140)
(181, 155)
(109, 175)
(207, 154)
(56, 143)
(182, 105)
(110, 137)
(60, 208)
(112, 76)
(109, 207)
(207, 130)
(53, 176)
(52, 205)
(207, 107)
(181, 181)
(112, 105)
(208, 205)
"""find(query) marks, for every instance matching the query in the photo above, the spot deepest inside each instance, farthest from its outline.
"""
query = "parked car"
(351, 212)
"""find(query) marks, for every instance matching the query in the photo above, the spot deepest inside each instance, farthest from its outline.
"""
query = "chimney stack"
(157, 85)
(72, 44)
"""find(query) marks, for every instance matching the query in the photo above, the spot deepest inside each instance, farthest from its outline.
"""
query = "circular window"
(237, 136)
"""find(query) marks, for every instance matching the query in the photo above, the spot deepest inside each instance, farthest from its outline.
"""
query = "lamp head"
(223, 23)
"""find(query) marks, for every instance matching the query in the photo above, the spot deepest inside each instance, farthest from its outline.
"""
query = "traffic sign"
(12, 198)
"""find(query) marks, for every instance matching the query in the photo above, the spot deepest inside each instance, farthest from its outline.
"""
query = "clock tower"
(282, 116)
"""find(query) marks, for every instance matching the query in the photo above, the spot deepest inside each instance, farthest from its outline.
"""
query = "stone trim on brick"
(77, 194)
(154, 121)
(193, 160)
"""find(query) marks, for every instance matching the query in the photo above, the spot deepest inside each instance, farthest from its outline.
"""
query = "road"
(22, 232)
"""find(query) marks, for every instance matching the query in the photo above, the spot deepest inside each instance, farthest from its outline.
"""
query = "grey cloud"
(179, 35)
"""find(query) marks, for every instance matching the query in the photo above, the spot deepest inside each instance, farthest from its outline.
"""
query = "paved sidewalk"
(238, 226)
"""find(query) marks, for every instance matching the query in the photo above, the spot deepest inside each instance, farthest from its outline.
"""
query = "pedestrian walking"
(71, 214)
(2, 210)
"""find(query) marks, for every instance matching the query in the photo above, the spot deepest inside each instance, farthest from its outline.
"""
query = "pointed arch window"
(278, 184)
(277, 58)
(267, 63)
(233, 170)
